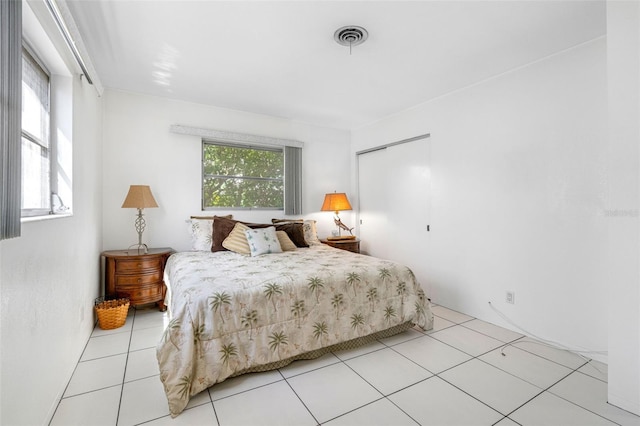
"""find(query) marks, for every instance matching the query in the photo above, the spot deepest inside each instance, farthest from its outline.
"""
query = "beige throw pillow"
(236, 241)
(285, 241)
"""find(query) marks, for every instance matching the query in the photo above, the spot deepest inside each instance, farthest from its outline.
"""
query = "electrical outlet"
(510, 297)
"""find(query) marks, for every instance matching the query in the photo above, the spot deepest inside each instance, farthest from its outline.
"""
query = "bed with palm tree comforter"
(231, 314)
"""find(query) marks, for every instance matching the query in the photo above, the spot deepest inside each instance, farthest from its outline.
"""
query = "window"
(36, 118)
(245, 177)
(36, 146)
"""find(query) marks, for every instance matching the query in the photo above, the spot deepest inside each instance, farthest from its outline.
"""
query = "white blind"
(35, 100)
(10, 123)
(36, 192)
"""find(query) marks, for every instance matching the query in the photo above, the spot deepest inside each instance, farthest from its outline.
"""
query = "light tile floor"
(463, 372)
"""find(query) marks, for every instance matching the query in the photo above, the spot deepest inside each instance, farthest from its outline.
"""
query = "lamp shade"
(335, 202)
(139, 197)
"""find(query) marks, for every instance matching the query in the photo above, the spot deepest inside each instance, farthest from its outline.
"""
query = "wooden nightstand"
(348, 245)
(136, 276)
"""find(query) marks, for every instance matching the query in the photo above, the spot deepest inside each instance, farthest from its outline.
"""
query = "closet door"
(394, 192)
(372, 206)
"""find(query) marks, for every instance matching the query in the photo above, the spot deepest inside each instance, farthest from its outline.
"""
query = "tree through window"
(242, 176)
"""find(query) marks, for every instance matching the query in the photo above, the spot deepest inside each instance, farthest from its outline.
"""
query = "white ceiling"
(279, 57)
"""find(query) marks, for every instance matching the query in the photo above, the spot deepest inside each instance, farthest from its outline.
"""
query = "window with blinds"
(36, 149)
(250, 177)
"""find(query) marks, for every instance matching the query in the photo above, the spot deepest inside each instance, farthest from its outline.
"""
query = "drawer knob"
(139, 280)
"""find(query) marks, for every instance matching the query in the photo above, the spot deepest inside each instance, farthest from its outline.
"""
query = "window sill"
(28, 219)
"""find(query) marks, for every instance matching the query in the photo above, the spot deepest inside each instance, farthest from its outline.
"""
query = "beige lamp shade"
(139, 197)
(335, 202)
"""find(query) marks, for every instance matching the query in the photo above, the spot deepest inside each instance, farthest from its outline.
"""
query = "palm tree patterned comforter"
(230, 313)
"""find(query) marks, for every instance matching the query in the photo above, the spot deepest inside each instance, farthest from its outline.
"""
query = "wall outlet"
(510, 297)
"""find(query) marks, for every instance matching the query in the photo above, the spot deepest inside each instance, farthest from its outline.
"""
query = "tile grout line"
(355, 409)
(511, 343)
(558, 396)
(339, 360)
(542, 390)
(467, 393)
(466, 361)
(246, 390)
(413, 384)
(383, 396)
(213, 405)
(298, 396)
(62, 397)
(575, 403)
(518, 377)
(126, 362)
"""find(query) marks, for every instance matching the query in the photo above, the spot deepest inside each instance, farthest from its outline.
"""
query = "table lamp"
(338, 202)
(139, 197)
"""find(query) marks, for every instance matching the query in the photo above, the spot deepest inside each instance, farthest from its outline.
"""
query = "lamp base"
(140, 248)
(343, 237)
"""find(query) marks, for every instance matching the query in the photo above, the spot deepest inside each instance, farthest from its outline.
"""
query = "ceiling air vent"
(351, 35)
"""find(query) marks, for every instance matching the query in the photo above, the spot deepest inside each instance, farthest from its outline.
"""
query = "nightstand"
(348, 245)
(137, 276)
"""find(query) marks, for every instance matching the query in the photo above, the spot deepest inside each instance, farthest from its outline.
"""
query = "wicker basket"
(112, 313)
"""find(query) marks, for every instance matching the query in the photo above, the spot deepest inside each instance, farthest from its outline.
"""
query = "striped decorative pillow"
(236, 241)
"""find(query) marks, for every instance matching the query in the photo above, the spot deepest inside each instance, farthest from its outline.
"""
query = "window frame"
(254, 147)
(46, 144)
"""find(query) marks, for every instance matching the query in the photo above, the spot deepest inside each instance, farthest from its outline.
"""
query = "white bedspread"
(231, 312)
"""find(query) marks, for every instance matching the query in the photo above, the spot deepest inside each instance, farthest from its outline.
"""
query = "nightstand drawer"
(138, 265)
(138, 279)
(142, 294)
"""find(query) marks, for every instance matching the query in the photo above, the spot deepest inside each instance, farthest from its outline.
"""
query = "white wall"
(49, 278)
(623, 179)
(139, 149)
(518, 182)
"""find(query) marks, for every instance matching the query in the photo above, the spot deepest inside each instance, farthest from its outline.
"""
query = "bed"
(232, 314)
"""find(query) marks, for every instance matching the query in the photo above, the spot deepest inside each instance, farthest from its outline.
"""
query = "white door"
(372, 203)
(394, 191)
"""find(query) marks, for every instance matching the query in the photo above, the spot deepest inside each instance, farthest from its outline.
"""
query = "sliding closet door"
(394, 193)
(373, 200)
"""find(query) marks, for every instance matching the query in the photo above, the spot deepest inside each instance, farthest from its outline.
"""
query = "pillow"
(222, 227)
(229, 216)
(277, 221)
(310, 232)
(285, 242)
(295, 231)
(201, 228)
(237, 240)
(201, 234)
(263, 241)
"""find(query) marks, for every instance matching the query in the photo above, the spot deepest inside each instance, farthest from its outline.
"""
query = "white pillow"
(201, 234)
(310, 232)
(263, 241)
